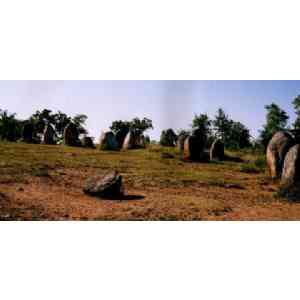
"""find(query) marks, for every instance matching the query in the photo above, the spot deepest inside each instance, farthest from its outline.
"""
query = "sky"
(169, 104)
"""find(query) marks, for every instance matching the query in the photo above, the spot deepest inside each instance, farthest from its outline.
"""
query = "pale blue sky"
(168, 103)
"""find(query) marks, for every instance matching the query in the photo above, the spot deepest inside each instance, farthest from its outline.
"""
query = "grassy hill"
(39, 182)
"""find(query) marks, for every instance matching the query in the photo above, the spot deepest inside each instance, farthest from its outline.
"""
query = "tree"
(239, 137)
(61, 121)
(296, 103)
(234, 134)
(137, 125)
(168, 138)
(120, 126)
(276, 120)
(58, 120)
(10, 127)
(222, 125)
(79, 121)
(140, 126)
(40, 118)
(202, 124)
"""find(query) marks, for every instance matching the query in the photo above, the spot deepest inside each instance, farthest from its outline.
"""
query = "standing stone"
(48, 135)
(71, 135)
(180, 144)
(27, 133)
(193, 148)
(108, 141)
(290, 180)
(276, 152)
(141, 141)
(217, 150)
(130, 141)
(87, 142)
(109, 186)
(120, 136)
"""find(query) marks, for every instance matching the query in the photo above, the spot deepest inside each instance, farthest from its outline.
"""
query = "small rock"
(20, 189)
(108, 186)
(166, 155)
(234, 186)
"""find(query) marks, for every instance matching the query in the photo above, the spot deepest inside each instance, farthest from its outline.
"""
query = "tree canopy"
(276, 120)
(137, 125)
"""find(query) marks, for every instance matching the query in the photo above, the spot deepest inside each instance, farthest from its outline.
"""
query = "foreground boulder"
(108, 186)
(290, 180)
(217, 150)
(71, 135)
(87, 142)
(48, 135)
(277, 149)
(108, 141)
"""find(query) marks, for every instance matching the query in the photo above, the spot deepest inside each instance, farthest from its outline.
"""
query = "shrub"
(250, 168)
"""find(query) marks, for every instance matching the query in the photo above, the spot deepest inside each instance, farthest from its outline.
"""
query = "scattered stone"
(71, 135)
(234, 186)
(166, 155)
(217, 151)
(27, 133)
(20, 189)
(108, 141)
(87, 142)
(108, 186)
(276, 152)
(193, 148)
(290, 180)
(48, 135)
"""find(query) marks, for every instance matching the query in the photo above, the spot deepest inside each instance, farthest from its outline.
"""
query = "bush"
(260, 163)
(250, 168)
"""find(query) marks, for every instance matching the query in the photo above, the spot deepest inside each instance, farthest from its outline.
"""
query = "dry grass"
(39, 182)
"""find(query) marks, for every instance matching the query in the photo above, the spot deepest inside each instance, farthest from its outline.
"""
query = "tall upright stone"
(290, 179)
(87, 142)
(48, 135)
(277, 149)
(217, 151)
(120, 136)
(193, 148)
(71, 135)
(180, 144)
(130, 141)
(27, 133)
(108, 141)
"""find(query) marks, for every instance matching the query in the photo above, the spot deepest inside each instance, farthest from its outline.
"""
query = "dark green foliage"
(239, 136)
(58, 120)
(61, 120)
(276, 120)
(235, 135)
(296, 103)
(168, 138)
(137, 125)
(202, 124)
(79, 121)
(10, 127)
